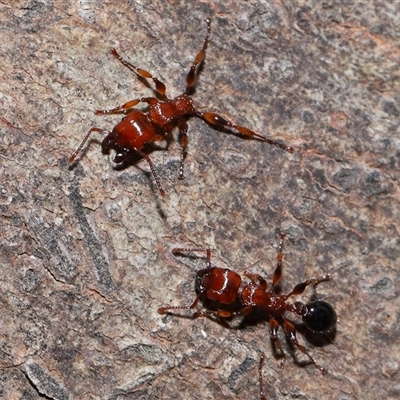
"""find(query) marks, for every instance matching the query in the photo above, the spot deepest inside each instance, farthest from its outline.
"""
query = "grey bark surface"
(85, 252)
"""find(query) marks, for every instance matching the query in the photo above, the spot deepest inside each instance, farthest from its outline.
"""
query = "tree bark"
(86, 249)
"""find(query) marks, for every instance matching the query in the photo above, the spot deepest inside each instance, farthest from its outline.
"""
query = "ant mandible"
(220, 291)
(137, 128)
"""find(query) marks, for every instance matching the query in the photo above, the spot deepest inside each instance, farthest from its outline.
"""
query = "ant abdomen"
(319, 316)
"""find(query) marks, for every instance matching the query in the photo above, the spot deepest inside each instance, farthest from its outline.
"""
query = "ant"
(220, 291)
(138, 129)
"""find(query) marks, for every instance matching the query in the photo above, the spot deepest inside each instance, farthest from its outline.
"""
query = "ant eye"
(320, 316)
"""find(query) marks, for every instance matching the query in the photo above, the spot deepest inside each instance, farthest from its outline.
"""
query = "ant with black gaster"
(222, 287)
(138, 129)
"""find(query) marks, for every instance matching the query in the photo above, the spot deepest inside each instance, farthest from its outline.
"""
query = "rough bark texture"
(86, 251)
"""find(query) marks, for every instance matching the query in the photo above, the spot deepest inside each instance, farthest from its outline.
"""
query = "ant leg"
(290, 332)
(124, 154)
(160, 86)
(217, 313)
(126, 108)
(153, 171)
(75, 153)
(278, 270)
(273, 332)
(257, 280)
(300, 287)
(164, 310)
(178, 250)
(183, 127)
(260, 367)
(225, 313)
(191, 77)
(217, 120)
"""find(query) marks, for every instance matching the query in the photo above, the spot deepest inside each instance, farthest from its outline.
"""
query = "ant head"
(319, 316)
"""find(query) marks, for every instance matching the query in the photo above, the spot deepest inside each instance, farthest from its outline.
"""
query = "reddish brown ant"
(137, 128)
(220, 291)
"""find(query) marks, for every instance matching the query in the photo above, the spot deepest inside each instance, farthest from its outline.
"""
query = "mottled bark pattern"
(85, 253)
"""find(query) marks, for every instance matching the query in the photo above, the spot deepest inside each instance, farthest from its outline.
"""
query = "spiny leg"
(260, 367)
(127, 107)
(273, 332)
(300, 287)
(198, 314)
(153, 171)
(227, 314)
(124, 108)
(123, 154)
(290, 332)
(160, 86)
(208, 313)
(257, 280)
(164, 310)
(183, 128)
(179, 250)
(191, 77)
(216, 120)
(278, 270)
(76, 152)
